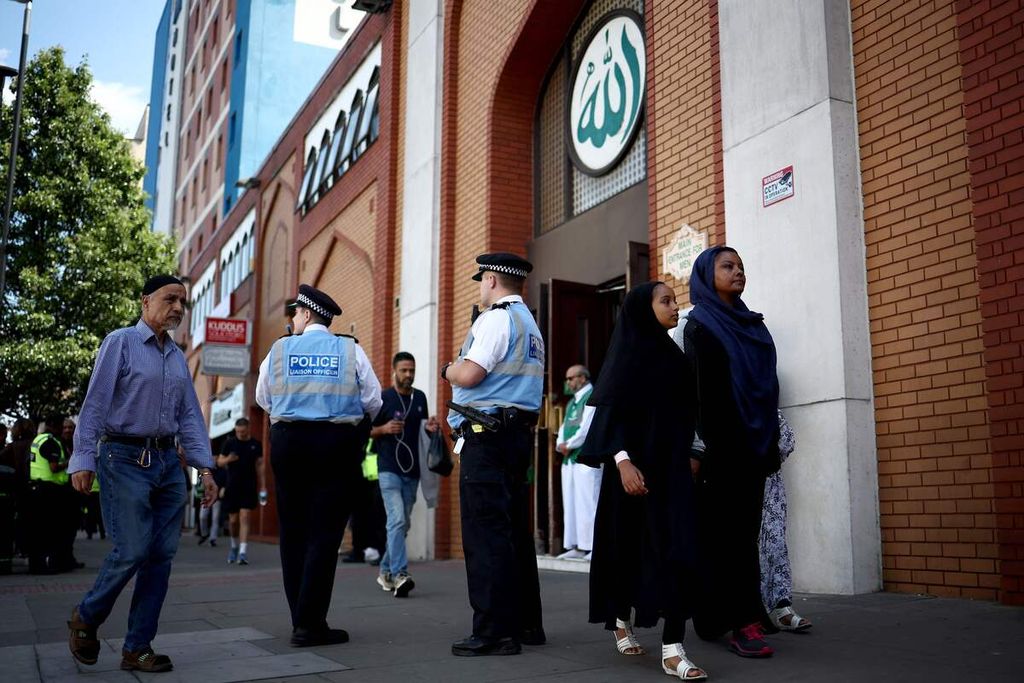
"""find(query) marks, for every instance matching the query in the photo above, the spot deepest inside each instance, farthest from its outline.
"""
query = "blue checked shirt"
(139, 390)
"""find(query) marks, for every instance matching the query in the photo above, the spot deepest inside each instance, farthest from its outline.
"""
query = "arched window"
(251, 256)
(561, 190)
(237, 258)
(336, 140)
(307, 181)
(225, 277)
(364, 138)
(243, 259)
(355, 114)
(314, 192)
(323, 174)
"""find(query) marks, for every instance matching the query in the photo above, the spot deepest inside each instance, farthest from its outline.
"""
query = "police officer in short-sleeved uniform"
(317, 388)
(500, 371)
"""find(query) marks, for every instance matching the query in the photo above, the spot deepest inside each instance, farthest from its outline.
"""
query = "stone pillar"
(787, 100)
(421, 173)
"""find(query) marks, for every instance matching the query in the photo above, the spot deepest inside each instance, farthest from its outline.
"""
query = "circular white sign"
(607, 97)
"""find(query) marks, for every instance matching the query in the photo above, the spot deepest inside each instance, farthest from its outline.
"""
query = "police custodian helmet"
(316, 301)
(502, 262)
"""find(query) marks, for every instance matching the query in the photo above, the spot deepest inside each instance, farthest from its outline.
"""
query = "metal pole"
(14, 151)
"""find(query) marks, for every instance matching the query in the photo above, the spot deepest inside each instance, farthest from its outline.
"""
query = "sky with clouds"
(115, 37)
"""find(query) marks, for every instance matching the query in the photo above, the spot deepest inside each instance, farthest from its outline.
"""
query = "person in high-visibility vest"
(50, 498)
(91, 516)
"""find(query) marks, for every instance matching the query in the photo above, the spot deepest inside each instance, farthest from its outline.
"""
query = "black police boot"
(302, 637)
(480, 646)
(533, 636)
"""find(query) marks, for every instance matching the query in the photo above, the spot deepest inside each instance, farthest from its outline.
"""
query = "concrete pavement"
(224, 623)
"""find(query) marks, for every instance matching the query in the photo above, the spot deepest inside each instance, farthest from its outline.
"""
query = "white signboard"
(225, 410)
(226, 361)
(325, 23)
(777, 186)
(679, 257)
(608, 88)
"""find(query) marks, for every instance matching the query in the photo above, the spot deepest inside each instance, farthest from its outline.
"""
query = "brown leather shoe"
(145, 660)
(82, 640)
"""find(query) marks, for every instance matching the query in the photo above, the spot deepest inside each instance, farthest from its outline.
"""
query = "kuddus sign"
(607, 97)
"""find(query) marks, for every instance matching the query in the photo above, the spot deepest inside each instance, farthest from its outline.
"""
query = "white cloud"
(5, 56)
(125, 104)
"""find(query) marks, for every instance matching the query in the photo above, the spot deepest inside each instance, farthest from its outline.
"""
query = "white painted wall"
(787, 99)
(421, 172)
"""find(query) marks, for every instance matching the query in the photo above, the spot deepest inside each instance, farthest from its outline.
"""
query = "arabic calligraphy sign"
(684, 251)
(607, 97)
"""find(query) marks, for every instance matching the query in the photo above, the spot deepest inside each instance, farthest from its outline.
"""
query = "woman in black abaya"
(644, 561)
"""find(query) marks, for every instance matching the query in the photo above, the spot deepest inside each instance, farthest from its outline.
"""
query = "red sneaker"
(749, 642)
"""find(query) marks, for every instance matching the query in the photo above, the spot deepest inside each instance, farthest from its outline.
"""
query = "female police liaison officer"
(500, 372)
(317, 388)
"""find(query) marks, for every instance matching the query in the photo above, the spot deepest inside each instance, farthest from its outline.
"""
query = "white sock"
(242, 548)
(234, 542)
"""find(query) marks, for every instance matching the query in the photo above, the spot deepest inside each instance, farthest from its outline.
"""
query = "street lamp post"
(14, 148)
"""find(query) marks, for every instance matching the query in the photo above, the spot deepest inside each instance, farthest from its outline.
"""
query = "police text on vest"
(314, 365)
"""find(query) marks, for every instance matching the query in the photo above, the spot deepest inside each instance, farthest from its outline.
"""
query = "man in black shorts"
(242, 457)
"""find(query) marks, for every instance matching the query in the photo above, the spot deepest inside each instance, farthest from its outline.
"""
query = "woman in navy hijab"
(733, 358)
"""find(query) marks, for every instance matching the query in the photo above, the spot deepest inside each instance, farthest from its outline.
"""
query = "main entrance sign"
(607, 97)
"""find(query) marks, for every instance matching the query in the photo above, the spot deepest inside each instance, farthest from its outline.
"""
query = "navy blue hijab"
(750, 349)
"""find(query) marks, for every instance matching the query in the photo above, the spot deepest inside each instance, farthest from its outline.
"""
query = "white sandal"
(796, 622)
(685, 667)
(629, 641)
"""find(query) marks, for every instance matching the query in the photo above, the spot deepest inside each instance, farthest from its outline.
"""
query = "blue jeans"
(142, 510)
(399, 494)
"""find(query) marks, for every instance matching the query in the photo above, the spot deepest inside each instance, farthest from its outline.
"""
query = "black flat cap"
(316, 301)
(502, 262)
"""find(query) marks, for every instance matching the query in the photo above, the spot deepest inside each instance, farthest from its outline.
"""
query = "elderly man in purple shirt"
(140, 400)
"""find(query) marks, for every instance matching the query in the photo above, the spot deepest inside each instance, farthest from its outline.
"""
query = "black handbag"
(439, 460)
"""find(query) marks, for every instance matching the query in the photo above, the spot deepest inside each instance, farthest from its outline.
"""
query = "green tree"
(80, 245)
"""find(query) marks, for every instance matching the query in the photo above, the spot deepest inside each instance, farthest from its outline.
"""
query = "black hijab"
(750, 348)
(642, 359)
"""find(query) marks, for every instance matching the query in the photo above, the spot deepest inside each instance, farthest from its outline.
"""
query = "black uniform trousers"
(501, 561)
(53, 517)
(9, 486)
(316, 468)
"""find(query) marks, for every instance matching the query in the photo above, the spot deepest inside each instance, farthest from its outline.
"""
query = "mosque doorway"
(577, 319)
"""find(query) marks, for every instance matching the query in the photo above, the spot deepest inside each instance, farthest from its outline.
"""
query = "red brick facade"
(935, 488)
(992, 54)
(941, 156)
(314, 237)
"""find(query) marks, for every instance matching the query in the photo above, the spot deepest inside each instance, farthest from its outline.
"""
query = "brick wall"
(399, 174)
(684, 126)
(447, 509)
(477, 34)
(487, 159)
(340, 261)
(992, 53)
(357, 214)
(934, 462)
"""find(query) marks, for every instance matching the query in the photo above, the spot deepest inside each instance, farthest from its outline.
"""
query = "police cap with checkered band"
(316, 301)
(502, 262)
